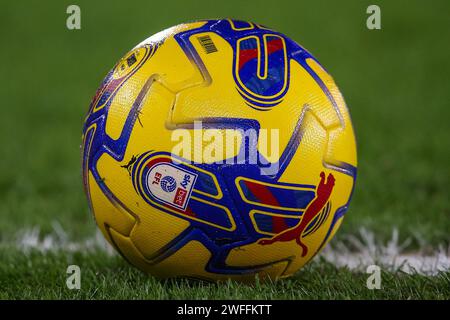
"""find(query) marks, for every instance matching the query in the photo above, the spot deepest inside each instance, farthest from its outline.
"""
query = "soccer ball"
(218, 149)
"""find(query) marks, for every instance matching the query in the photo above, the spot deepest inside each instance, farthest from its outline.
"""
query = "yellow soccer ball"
(217, 150)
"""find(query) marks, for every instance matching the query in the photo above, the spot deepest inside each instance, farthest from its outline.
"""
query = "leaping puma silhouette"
(323, 193)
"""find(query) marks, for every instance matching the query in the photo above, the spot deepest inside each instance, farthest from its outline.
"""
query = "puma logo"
(323, 192)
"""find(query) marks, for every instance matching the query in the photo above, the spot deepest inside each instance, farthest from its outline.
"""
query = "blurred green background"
(395, 81)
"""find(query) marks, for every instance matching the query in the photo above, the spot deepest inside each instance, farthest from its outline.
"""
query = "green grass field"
(395, 81)
(43, 276)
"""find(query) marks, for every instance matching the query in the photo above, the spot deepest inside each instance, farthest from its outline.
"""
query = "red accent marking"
(323, 193)
(152, 162)
(249, 54)
(274, 45)
(264, 196)
(189, 212)
(108, 88)
(246, 55)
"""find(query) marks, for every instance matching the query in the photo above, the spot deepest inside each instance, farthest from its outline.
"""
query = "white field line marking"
(365, 251)
(391, 256)
(58, 240)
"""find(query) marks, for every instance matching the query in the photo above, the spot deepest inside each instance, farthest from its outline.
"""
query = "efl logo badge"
(170, 184)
